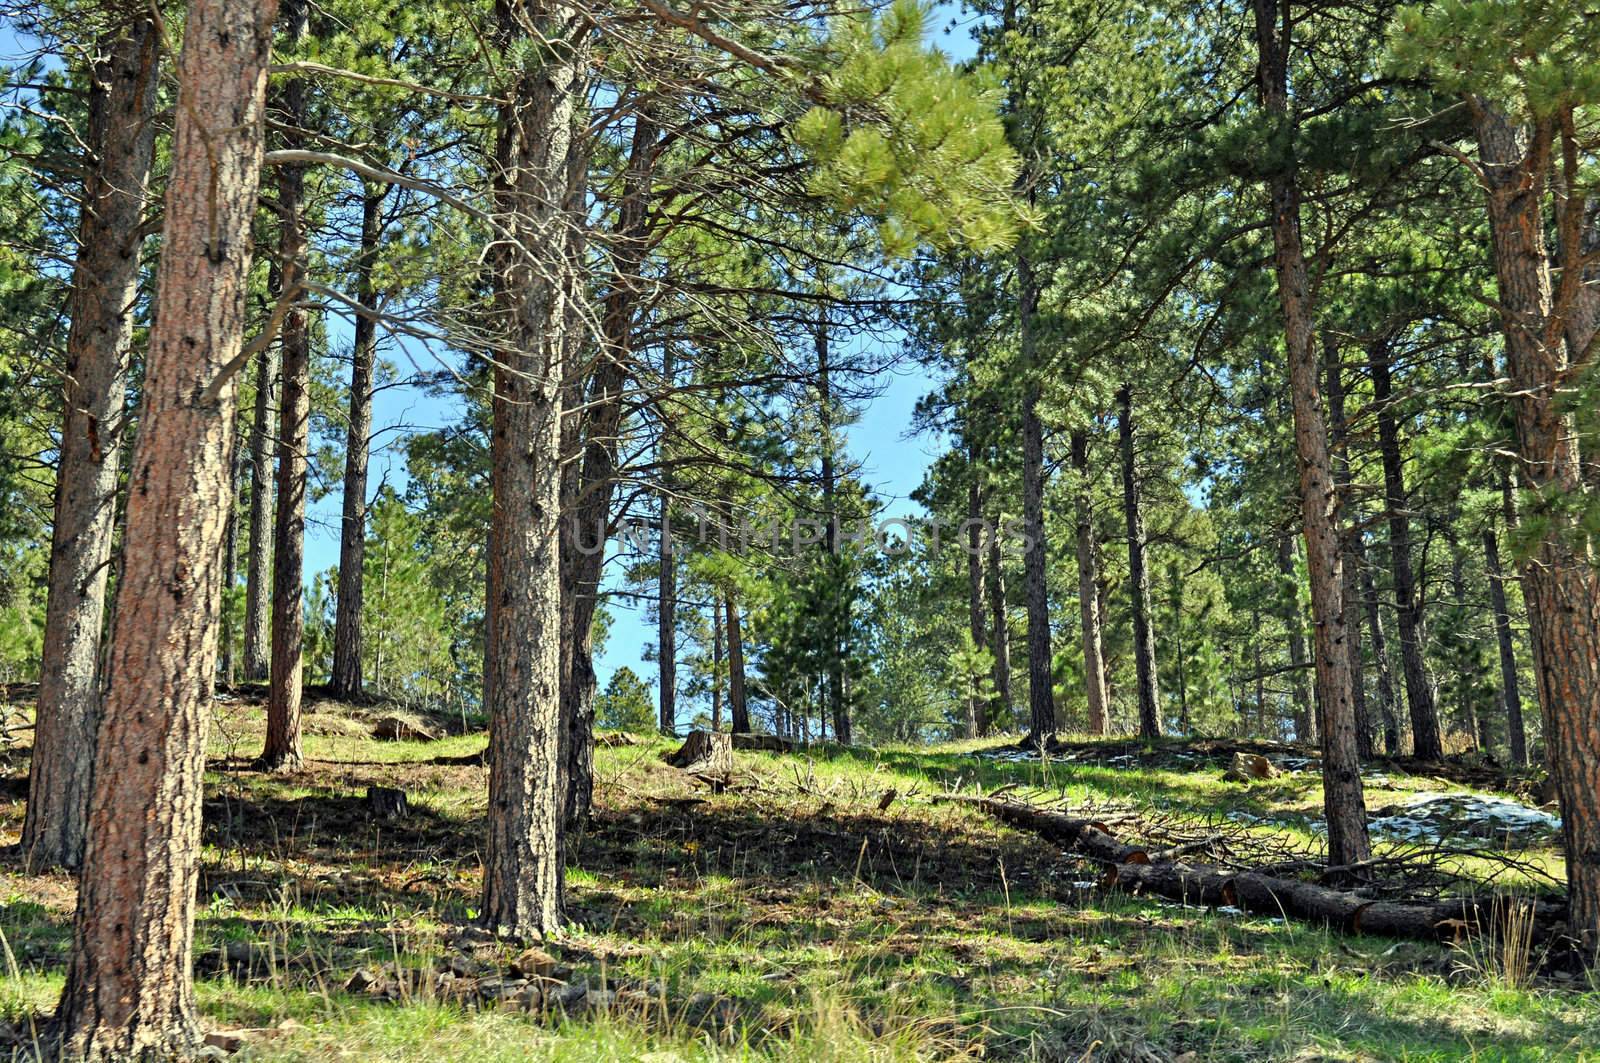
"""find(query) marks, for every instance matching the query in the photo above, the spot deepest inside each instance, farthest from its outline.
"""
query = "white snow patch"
(1431, 817)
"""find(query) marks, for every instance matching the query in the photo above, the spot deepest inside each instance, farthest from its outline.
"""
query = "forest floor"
(805, 913)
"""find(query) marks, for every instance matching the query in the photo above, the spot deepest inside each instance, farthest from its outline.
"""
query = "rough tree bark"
(1426, 741)
(129, 991)
(1319, 501)
(1583, 315)
(522, 665)
(1094, 660)
(1560, 580)
(105, 281)
(345, 680)
(1144, 636)
(1041, 689)
(282, 750)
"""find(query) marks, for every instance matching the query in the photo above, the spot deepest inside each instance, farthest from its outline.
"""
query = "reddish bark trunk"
(1560, 581)
(1319, 502)
(129, 992)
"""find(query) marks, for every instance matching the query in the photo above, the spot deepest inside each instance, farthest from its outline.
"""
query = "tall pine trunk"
(1303, 710)
(522, 665)
(588, 495)
(1094, 659)
(667, 622)
(105, 283)
(667, 602)
(973, 724)
(1000, 633)
(737, 705)
(1425, 737)
(258, 556)
(129, 991)
(1144, 636)
(1340, 438)
(1510, 685)
(716, 666)
(345, 679)
(1388, 697)
(1041, 691)
(836, 609)
(1319, 501)
(1560, 581)
(282, 751)
(227, 668)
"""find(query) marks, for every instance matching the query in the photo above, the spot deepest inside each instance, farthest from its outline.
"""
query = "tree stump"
(707, 754)
(386, 803)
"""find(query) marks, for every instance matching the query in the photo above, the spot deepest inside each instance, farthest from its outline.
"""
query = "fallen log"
(1091, 837)
(1132, 869)
(765, 743)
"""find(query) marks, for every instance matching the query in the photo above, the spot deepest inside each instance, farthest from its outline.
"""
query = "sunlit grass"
(826, 928)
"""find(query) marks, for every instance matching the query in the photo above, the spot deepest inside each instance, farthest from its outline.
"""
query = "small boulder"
(403, 729)
(568, 998)
(1250, 767)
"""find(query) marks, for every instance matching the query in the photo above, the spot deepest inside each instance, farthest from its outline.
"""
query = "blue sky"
(889, 459)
